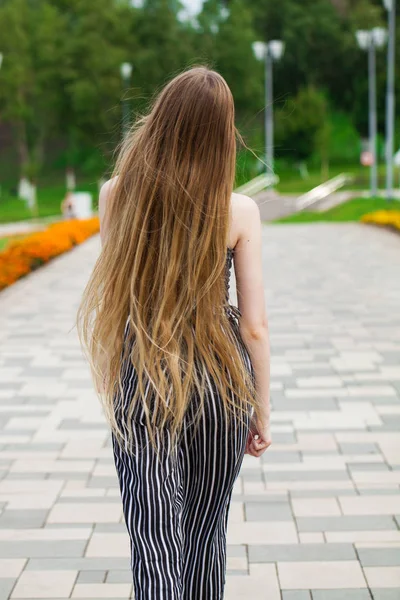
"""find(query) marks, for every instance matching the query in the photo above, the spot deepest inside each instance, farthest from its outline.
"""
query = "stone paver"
(317, 518)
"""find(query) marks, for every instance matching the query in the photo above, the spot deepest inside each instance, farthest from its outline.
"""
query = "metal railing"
(322, 191)
(258, 184)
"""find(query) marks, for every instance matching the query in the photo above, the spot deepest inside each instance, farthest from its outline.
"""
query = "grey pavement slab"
(345, 523)
(78, 564)
(353, 448)
(119, 577)
(6, 586)
(367, 466)
(311, 493)
(274, 457)
(96, 577)
(320, 475)
(340, 594)
(379, 557)
(30, 549)
(23, 519)
(385, 594)
(268, 511)
(378, 492)
(109, 528)
(301, 552)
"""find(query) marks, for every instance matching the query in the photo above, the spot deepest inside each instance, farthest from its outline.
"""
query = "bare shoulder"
(246, 214)
(104, 197)
(106, 189)
(244, 203)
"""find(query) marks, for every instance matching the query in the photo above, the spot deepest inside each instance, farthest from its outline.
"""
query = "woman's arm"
(251, 300)
(103, 215)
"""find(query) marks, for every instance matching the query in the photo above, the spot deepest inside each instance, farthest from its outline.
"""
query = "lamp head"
(363, 38)
(126, 70)
(259, 49)
(276, 49)
(379, 36)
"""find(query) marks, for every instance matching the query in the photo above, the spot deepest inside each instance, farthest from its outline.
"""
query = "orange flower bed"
(385, 218)
(23, 256)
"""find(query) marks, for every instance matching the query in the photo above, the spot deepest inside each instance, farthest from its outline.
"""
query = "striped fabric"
(176, 509)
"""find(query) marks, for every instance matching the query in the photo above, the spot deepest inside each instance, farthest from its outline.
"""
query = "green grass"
(49, 201)
(352, 210)
(292, 183)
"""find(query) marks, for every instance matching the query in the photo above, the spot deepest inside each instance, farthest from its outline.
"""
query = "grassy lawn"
(352, 210)
(292, 183)
(49, 200)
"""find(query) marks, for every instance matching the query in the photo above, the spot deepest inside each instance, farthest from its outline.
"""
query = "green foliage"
(301, 123)
(235, 58)
(321, 48)
(61, 89)
(344, 143)
(30, 77)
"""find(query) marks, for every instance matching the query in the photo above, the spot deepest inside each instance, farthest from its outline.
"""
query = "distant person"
(68, 206)
(183, 375)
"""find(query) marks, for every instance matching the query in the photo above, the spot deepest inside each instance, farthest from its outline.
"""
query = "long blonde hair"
(157, 294)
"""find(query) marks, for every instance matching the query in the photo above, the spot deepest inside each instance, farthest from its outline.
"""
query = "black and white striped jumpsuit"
(176, 511)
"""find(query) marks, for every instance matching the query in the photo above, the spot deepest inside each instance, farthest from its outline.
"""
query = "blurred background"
(74, 73)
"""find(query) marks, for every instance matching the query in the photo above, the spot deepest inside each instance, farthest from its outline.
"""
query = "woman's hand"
(259, 438)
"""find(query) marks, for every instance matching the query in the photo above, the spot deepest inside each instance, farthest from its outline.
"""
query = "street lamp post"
(390, 6)
(126, 72)
(269, 52)
(370, 40)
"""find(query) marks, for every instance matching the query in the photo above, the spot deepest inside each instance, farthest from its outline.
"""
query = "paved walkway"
(317, 517)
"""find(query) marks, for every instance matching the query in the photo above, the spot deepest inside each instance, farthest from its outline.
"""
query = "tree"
(363, 13)
(165, 46)
(97, 39)
(302, 124)
(236, 61)
(321, 47)
(30, 76)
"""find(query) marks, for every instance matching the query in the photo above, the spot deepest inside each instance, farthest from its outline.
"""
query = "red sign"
(367, 159)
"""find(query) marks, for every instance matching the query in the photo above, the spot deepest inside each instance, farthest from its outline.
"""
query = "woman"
(183, 375)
